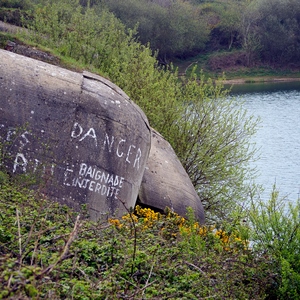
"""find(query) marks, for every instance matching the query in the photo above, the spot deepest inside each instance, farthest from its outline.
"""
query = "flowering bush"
(146, 218)
(48, 251)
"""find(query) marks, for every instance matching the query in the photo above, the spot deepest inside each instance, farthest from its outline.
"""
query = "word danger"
(95, 180)
(130, 153)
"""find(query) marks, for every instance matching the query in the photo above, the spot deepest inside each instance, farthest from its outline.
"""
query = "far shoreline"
(266, 79)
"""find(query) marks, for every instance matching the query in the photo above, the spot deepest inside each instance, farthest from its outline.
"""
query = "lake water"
(278, 136)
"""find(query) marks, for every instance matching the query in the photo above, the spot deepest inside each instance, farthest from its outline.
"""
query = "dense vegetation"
(252, 31)
(47, 252)
(249, 32)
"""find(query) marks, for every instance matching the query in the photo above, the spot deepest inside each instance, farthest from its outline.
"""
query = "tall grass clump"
(276, 234)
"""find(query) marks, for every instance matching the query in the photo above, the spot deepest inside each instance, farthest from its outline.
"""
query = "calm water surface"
(278, 136)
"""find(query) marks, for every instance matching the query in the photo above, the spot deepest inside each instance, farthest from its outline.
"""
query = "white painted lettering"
(104, 178)
(121, 182)
(116, 181)
(98, 175)
(129, 153)
(91, 133)
(103, 190)
(98, 187)
(83, 168)
(20, 161)
(67, 176)
(108, 142)
(10, 133)
(117, 193)
(91, 186)
(90, 172)
(118, 147)
(111, 180)
(86, 181)
(26, 141)
(112, 189)
(118, 153)
(76, 182)
(137, 158)
(77, 130)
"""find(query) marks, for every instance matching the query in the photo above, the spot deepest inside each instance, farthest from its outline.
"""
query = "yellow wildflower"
(116, 223)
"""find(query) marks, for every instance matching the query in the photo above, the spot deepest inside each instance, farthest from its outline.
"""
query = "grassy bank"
(234, 70)
(50, 252)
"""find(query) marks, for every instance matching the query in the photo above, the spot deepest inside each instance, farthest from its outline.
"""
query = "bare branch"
(65, 250)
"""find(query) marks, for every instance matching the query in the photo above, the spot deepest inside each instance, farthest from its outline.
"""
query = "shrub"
(276, 232)
(48, 251)
(212, 140)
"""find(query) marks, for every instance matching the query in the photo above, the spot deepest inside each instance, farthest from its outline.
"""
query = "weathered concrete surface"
(78, 132)
(166, 183)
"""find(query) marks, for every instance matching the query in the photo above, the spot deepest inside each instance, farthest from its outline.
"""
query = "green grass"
(48, 252)
(249, 74)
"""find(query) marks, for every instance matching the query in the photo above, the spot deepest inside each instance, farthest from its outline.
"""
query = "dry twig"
(65, 250)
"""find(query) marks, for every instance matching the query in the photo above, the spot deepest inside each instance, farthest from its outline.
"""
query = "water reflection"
(263, 87)
(278, 136)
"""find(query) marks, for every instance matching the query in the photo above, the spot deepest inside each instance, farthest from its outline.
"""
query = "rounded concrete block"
(166, 183)
(78, 132)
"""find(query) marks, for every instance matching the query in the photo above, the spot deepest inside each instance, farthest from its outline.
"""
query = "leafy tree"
(224, 19)
(249, 31)
(276, 24)
(229, 25)
(174, 28)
